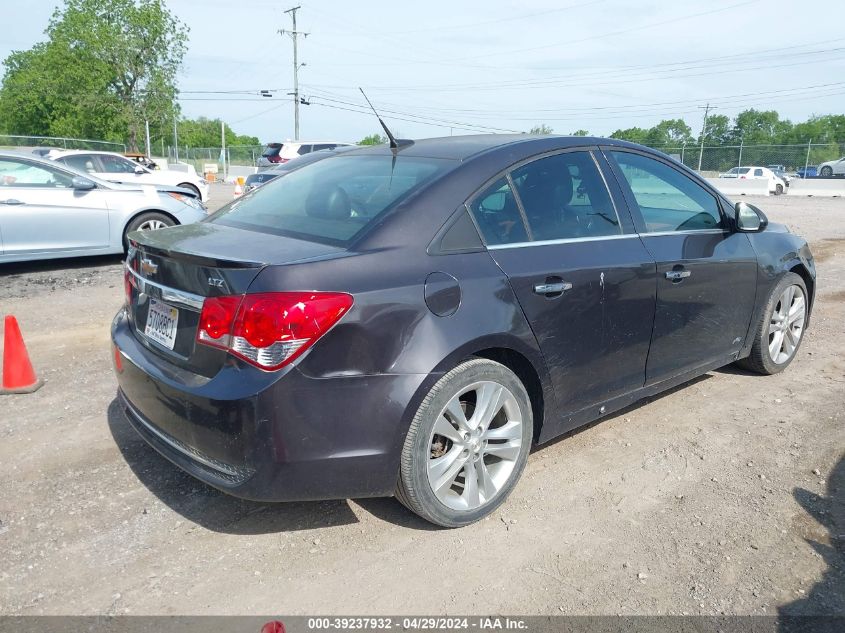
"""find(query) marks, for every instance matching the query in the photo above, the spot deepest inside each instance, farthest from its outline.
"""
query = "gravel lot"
(724, 496)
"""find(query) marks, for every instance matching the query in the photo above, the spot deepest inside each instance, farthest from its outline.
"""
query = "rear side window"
(272, 150)
(331, 200)
(84, 164)
(303, 149)
(564, 197)
(668, 200)
(758, 172)
(497, 215)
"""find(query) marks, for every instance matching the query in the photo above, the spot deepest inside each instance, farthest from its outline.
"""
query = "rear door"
(40, 212)
(581, 274)
(706, 273)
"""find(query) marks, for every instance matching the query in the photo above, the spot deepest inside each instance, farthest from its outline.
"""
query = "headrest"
(329, 203)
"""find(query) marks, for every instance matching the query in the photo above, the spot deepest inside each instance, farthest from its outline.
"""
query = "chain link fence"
(12, 141)
(237, 155)
(712, 160)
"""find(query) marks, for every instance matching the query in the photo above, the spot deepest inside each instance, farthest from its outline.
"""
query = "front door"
(706, 273)
(582, 276)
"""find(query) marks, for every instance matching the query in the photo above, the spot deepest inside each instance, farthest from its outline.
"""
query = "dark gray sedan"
(411, 320)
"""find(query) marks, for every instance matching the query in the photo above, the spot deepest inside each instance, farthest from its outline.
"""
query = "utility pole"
(703, 129)
(147, 130)
(294, 34)
(223, 147)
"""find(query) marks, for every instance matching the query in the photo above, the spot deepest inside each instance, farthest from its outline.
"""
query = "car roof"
(468, 146)
(69, 152)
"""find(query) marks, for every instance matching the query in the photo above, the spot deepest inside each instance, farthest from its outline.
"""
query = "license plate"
(161, 323)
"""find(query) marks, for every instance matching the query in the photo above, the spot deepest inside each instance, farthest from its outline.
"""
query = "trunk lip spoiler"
(196, 258)
(166, 293)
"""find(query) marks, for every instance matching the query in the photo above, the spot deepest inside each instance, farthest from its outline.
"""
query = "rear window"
(332, 200)
(272, 150)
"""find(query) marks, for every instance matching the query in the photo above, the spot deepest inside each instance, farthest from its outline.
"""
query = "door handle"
(677, 275)
(552, 288)
(11, 201)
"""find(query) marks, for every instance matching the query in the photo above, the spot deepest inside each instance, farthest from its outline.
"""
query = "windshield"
(332, 200)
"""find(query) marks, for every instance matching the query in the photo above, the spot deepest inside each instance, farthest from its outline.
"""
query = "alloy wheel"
(151, 225)
(787, 324)
(475, 445)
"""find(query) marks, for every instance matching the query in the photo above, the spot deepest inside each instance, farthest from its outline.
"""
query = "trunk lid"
(173, 270)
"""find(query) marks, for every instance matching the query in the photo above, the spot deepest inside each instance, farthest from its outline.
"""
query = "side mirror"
(749, 219)
(82, 184)
(140, 171)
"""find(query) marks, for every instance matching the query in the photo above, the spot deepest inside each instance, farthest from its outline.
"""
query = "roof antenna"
(394, 144)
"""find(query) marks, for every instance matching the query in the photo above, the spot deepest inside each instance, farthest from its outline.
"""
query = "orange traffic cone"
(18, 375)
(239, 187)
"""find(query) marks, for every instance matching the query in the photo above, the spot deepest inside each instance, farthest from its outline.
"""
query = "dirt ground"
(724, 496)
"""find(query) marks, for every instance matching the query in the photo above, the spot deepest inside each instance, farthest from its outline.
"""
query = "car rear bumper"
(280, 436)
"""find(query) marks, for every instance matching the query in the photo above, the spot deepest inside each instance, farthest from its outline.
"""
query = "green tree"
(205, 132)
(718, 130)
(669, 133)
(373, 139)
(107, 66)
(633, 134)
(580, 133)
(541, 129)
(756, 127)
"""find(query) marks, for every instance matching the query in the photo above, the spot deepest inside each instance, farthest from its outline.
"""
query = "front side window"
(331, 200)
(497, 215)
(117, 165)
(668, 200)
(758, 173)
(564, 197)
(15, 173)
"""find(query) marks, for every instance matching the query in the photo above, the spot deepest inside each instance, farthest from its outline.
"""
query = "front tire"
(467, 445)
(780, 329)
(190, 187)
(150, 221)
(778, 190)
(826, 171)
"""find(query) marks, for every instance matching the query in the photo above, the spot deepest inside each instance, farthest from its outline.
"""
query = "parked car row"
(777, 183)
(279, 153)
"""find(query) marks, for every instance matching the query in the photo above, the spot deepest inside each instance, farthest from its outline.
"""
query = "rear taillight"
(128, 284)
(277, 159)
(270, 329)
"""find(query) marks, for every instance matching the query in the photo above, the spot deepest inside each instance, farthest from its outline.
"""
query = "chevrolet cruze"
(410, 320)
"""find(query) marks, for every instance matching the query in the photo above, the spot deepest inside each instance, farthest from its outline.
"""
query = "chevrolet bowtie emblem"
(148, 267)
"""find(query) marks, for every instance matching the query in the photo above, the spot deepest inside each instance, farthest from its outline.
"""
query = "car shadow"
(61, 264)
(827, 596)
(206, 506)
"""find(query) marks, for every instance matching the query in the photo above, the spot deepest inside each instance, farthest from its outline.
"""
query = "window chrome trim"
(166, 293)
(687, 232)
(568, 240)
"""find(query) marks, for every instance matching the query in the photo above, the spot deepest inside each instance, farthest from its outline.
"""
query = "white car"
(832, 168)
(777, 185)
(277, 153)
(116, 168)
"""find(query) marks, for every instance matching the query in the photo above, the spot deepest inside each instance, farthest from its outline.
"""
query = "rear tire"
(149, 221)
(780, 330)
(778, 190)
(467, 445)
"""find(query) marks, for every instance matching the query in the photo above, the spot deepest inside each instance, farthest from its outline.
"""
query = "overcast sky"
(435, 68)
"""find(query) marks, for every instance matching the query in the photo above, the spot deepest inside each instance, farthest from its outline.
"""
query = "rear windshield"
(331, 200)
(272, 150)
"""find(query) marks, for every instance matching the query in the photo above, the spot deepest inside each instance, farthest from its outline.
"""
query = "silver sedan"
(49, 211)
